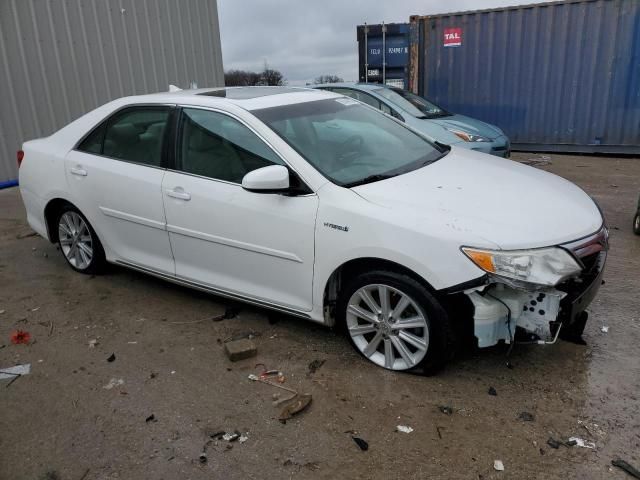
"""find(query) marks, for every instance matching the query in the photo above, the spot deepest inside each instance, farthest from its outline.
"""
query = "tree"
(327, 79)
(246, 78)
(241, 78)
(273, 77)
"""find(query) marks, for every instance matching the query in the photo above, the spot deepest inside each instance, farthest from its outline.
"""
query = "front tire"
(393, 321)
(78, 242)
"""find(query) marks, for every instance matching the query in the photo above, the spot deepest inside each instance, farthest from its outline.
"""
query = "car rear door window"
(217, 146)
(136, 135)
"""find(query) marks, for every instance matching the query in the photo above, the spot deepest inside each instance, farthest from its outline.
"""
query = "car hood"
(469, 125)
(500, 201)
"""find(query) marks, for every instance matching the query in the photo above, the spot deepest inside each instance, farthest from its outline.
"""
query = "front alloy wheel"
(394, 321)
(388, 327)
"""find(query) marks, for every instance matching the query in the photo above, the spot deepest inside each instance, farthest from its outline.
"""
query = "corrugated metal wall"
(61, 58)
(558, 76)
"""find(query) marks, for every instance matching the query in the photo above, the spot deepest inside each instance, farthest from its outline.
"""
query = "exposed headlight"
(468, 137)
(543, 266)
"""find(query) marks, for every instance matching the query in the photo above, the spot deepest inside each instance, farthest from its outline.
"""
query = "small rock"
(526, 417)
(240, 349)
(111, 358)
(498, 465)
(446, 409)
(553, 443)
(492, 391)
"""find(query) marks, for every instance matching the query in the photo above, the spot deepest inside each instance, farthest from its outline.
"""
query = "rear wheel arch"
(51, 214)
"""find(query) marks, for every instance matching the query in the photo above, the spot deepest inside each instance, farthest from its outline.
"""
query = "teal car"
(428, 118)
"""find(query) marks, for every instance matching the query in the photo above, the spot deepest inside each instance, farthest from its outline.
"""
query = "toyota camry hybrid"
(316, 205)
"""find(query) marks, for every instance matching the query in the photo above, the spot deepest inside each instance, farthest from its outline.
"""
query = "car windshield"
(348, 142)
(415, 105)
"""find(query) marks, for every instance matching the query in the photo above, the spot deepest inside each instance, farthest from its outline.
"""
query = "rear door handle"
(179, 193)
(78, 170)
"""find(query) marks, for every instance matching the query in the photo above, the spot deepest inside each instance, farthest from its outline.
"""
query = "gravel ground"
(60, 422)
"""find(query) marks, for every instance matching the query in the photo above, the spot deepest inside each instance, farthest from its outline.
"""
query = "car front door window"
(217, 146)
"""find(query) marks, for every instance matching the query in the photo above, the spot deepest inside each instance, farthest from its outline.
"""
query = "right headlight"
(543, 266)
(468, 137)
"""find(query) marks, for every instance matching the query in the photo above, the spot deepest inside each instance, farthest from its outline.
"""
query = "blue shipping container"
(562, 76)
(395, 53)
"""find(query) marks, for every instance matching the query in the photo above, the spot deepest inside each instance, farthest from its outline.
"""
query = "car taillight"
(20, 156)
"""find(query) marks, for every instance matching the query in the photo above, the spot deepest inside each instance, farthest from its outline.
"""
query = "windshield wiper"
(370, 179)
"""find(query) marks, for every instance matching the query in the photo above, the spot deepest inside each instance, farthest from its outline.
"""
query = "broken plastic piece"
(297, 405)
(20, 337)
(498, 465)
(604, 329)
(582, 443)
(111, 358)
(93, 343)
(404, 429)
(15, 371)
(553, 443)
(631, 470)
(114, 382)
(231, 437)
(151, 418)
(364, 446)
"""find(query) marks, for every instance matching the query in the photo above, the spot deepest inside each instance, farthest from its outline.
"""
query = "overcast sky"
(304, 39)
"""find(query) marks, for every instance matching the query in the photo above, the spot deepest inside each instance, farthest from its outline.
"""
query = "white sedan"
(313, 204)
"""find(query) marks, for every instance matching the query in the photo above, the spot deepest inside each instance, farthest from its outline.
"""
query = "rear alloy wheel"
(394, 322)
(78, 242)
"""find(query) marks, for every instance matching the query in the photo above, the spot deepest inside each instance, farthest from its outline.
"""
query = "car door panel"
(123, 201)
(258, 245)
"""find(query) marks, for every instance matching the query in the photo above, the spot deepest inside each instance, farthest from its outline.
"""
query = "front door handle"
(78, 170)
(179, 193)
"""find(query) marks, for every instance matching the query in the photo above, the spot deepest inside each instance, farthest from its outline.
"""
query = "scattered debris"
(364, 446)
(540, 161)
(498, 465)
(604, 329)
(404, 429)
(231, 437)
(446, 409)
(35, 309)
(151, 418)
(132, 343)
(14, 372)
(111, 358)
(315, 365)
(630, 469)
(553, 443)
(526, 417)
(243, 437)
(297, 405)
(265, 374)
(2, 311)
(439, 433)
(240, 349)
(581, 442)
(20, 337)
(250, 335)
(114, 382)
(492, 391)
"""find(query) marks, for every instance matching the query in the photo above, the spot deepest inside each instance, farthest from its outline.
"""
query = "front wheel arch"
(341, 275)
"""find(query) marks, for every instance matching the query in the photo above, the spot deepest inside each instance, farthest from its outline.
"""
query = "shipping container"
(561, 76)
(60, 59)
(383, 52)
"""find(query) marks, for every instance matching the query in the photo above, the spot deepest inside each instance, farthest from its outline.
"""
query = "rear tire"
(78, 242)
(394, 322)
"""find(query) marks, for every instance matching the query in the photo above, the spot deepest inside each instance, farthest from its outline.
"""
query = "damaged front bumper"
(500, 307)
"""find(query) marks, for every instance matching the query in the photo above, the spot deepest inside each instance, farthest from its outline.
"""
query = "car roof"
(249, 98)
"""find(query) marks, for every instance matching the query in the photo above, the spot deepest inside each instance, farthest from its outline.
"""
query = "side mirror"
(271, 179)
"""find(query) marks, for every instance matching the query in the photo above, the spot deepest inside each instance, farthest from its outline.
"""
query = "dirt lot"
(60, 422)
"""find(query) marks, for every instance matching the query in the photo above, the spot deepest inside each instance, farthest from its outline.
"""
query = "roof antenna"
(173, 88)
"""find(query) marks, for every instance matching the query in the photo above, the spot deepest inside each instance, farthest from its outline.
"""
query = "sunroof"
(245, 93)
